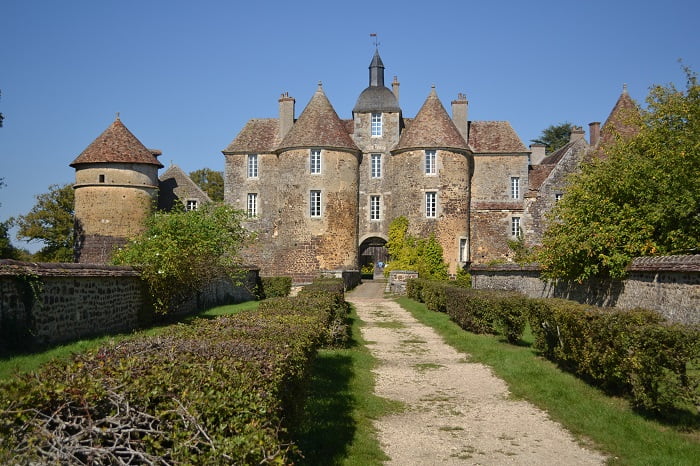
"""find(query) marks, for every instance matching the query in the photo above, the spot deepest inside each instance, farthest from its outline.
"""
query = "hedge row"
(635, 353)
(274, 287)
(220, 391)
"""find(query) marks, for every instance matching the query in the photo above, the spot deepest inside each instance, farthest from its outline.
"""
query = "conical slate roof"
(376, 97)
(318, 126)
(116, 145)
(431, 128)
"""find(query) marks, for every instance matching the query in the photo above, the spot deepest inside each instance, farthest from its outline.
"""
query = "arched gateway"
(373, 251)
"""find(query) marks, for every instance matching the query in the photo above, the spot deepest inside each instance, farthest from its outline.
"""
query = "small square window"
(101, 178)
(315, 203)
(190, 204)
(430, 162)
(315, 161)
(558, 196)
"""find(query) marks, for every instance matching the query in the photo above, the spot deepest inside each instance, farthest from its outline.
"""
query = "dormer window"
(376, 125)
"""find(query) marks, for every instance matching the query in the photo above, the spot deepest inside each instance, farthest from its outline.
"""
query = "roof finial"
(376, 40)
(117, 117)
(624, 88)
(320, 85)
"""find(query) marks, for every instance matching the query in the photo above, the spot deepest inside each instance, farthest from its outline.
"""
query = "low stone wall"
(351, 278)
(397, 281)
(46, 303)
(669, 285)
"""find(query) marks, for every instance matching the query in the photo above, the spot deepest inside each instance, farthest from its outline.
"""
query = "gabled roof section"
(540, 172)
(117, 145)
(619, 121)
(318, 126)
(257, 136)
(175, 185)
(431, 128)
(494, 137)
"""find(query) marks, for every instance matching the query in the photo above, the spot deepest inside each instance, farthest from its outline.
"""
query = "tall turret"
(116, 183)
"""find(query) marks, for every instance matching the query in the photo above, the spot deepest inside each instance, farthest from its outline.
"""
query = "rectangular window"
(430, 168)
(558, 196)
(515, 187)
(463, 250)
(191, 204)
(252, 165)
(252, 207)
(515, 227)
(376, 124)
(376, 167)
(431, 204)
(374, 207)
(315, 203)
(102, 178)
(315, 161)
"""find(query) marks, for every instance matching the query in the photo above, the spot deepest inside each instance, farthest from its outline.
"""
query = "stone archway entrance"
(373, 253)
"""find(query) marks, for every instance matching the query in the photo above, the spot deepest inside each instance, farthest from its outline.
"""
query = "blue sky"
(186, 76)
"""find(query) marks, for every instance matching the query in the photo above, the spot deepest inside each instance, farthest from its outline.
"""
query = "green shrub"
(274, 287)
(473, 310)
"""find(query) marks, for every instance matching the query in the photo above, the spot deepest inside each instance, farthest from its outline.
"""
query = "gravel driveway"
(457, 412)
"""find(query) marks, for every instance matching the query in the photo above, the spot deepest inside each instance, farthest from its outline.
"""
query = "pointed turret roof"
(116, 145)
(431, 128)
(620, 119)
(318, 126)
(376, 97)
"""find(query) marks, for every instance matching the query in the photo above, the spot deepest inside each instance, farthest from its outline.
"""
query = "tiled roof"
(318, 126)
(618, 121)
(258, 135)
(175, 184)
(537, 175)
(116, 145)
(432, 127)
(494, 136)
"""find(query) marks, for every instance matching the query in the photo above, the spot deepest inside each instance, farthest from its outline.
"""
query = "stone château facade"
(320, 191)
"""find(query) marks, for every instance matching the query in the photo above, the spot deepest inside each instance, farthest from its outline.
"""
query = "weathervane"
(376, 40)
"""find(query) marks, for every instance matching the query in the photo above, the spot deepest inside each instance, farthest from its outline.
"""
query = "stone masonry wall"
(669, 285)
(51, 303)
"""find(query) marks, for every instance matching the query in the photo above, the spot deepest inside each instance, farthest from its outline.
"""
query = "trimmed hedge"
(634, 353)
(275, 287)
(211, 392)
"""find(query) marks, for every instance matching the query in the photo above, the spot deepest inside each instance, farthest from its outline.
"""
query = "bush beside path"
(457, 412)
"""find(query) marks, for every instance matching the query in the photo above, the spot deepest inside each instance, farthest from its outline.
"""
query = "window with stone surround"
(431, 204)
(515, 227)
(252, 205)
(376, 165)
(376, 125)
(315, 203)
(190, 204)
(374, 207)
(430, 162)
(515, 187)
(315, 161)
(252, 165)
(463, 250)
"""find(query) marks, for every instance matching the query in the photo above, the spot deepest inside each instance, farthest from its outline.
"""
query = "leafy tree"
(642, 199)
(211, 182)
(554, 136)
(423, 255)
(182, 251)
(51, 222)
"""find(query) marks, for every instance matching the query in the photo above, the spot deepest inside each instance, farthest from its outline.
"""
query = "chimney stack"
(594, 133)
(395, 87)
(537, 153)
(459, 115)
(286, 114)
(576, 133)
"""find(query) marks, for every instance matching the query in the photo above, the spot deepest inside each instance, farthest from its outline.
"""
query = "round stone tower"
(116, 184)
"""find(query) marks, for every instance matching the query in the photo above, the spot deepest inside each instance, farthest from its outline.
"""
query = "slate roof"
(117, 145)
(258, 135)
(494, 136)
(318, 126)
(432, 127)
(176, 185)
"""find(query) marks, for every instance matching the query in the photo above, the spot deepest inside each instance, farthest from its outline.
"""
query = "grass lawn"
(25, 362)
(607, 423)
(338, 427)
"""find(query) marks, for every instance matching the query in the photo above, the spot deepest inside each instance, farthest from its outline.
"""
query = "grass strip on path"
(341, 406)
(610, 423)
